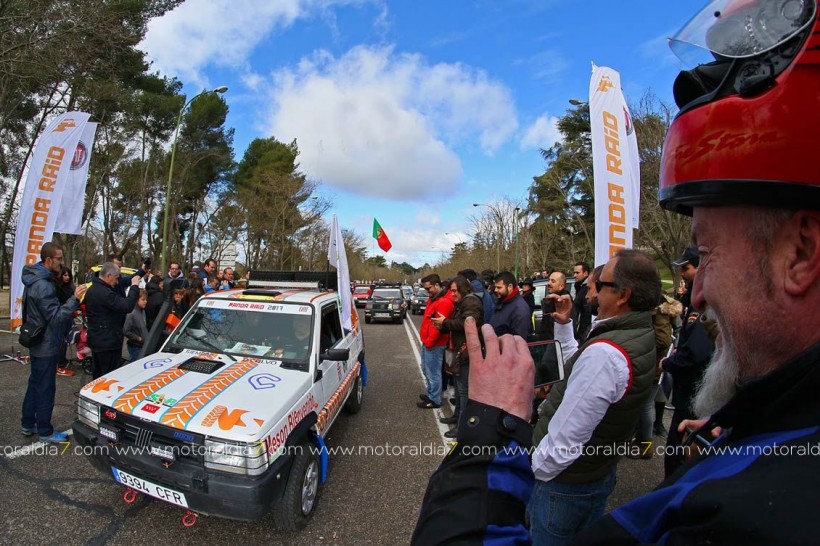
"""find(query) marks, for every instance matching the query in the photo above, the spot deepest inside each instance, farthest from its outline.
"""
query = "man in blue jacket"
(42, 308)
(687, 363)
(512, 314)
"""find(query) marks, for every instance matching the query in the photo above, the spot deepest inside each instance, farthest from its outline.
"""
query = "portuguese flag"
(381, 236)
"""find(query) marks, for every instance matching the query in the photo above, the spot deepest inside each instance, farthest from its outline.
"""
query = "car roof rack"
(315, 280)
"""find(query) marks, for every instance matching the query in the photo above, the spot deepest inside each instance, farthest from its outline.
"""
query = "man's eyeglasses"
(600, 284)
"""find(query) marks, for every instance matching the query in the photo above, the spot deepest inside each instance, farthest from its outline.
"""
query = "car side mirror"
(336, 354)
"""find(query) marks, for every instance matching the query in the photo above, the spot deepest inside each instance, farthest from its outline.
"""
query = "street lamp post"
(498, 240)
(517, 209)
(164, 255)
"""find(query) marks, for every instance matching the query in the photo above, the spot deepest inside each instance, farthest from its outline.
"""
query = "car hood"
(239, 401)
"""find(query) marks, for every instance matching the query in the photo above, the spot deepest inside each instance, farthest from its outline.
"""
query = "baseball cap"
(689, 256)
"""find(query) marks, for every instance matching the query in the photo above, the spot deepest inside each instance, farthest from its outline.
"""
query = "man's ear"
(626, 293)
(803, 253)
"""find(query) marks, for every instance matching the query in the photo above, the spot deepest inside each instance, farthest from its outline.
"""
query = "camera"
(547, 306)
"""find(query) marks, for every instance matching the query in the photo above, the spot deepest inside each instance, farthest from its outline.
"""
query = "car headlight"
(391, 306)
(236, 457)
(88, 412)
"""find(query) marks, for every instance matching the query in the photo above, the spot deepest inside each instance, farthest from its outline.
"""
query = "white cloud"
(541, 134)
(199, 33)
(380, 124)
(252, 80)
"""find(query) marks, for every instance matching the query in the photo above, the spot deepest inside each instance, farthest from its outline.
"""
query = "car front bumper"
(232, 496)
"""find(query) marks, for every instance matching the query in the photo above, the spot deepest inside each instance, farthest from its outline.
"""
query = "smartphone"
(692, 436)
(547, 306)
(549, 362)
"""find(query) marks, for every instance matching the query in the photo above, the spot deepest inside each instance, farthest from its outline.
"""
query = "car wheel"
(367, 320)
(354, 401)
(293, 511)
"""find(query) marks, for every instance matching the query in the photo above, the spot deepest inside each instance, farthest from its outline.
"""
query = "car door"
(331, 337)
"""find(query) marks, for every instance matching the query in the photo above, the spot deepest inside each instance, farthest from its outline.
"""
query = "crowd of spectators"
(616, 326)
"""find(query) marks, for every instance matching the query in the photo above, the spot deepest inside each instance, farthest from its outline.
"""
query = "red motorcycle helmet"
(746, 132)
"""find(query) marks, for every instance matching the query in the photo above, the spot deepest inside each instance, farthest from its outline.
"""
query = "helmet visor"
(740, 28)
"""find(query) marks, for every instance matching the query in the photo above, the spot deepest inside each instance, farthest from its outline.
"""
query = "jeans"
(38, 404)
(462, 380)
(133, 352)
(647, 417)
(558, 511)
(431, 360)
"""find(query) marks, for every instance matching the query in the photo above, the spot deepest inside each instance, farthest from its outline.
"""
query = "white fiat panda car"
(228, 418)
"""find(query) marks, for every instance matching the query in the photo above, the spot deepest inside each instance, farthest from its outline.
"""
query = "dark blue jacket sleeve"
(694, 348)
(479, 493)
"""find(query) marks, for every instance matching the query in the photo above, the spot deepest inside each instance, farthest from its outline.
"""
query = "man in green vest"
(586, 423)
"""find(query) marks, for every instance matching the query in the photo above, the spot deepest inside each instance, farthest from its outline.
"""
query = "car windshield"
(361, 290)
(246, 328)
(386, 294)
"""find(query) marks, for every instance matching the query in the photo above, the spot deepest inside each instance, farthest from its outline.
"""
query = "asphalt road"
(372, 496)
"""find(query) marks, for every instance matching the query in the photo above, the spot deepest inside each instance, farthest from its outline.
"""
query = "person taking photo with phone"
(585, 419)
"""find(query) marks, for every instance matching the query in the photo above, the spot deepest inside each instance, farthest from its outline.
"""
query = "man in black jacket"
(106, 310)
(581, 315)
(528, 293)
(687, 363)
(556, 284)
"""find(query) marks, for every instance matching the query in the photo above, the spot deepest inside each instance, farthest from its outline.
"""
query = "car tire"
(354, 401)
(298, 503)
(367, 320)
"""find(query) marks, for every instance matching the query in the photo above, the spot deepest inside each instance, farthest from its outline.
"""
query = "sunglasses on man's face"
(600, 284)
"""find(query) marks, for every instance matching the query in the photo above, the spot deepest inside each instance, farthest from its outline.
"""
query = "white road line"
(415, 341)
(34, 448)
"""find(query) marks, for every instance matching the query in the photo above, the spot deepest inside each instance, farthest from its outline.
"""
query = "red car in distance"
(361, 293)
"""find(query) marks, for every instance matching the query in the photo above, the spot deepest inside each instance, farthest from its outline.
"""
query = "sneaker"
(65, 372)
(448, 420)
(424, 397)
(429, 404)
(28, 431)
(450, 433)
(55, 438)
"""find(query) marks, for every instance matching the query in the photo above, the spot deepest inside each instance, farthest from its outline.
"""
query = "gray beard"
(720, 382)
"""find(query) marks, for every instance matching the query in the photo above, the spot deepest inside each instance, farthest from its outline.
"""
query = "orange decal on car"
(181, 414)
(128, 401)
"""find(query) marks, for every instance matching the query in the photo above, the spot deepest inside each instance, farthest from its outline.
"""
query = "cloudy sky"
(412, 111)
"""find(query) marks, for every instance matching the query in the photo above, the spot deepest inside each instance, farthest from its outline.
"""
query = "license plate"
(381, 315)
(144, 486)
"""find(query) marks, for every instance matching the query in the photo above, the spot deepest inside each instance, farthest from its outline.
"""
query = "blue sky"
(412, 111)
